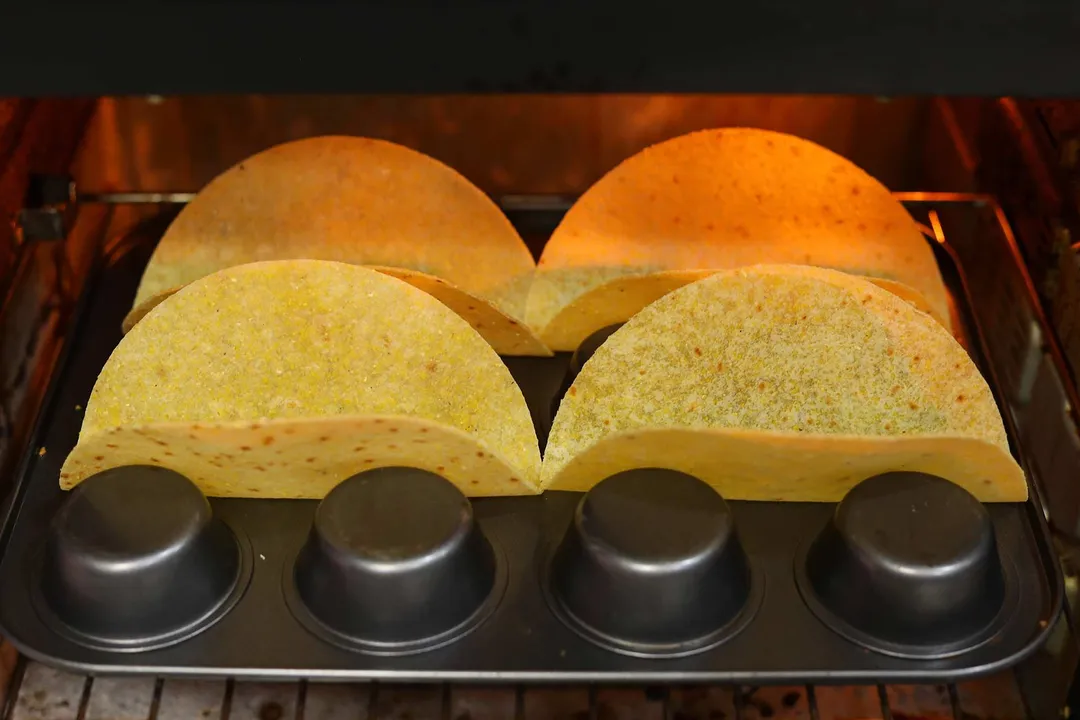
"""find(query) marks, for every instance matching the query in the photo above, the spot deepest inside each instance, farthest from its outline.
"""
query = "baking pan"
(650, 577)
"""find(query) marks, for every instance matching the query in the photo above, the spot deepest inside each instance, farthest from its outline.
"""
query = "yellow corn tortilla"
(763, 465)
(616, 301)
(741, 362)
(355, 200)
(721, 199)
(303, 371)
(507, 335)
(296, 457)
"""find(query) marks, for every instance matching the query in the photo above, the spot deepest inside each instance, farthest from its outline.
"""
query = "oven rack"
(41, 693)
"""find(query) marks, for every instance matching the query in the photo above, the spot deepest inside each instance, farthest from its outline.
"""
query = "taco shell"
(616, 301)
(782, 382)
(283, 378)
(721, 199)
(360, 201)
(507, 335)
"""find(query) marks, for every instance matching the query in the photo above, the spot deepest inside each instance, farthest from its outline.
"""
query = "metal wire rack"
(38, 692)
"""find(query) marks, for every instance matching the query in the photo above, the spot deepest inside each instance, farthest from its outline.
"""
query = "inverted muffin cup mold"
(908, 565)
(394, 564)
(651, 565)
(134, 560)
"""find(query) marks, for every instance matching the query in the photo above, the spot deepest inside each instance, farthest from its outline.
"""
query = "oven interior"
(77, 175)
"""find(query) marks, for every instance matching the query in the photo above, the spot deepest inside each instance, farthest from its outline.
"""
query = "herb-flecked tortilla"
(782, 383)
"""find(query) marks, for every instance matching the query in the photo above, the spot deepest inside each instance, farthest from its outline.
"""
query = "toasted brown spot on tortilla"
(440, 468)
(111, 446)
(960, 398)
(572, 390)
(697, 351)
(431, 366)
(245, 448)
(99, 458)
(310, 460)
(268, 440)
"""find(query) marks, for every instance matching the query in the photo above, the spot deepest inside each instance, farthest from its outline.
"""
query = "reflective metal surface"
(652, 565)
(395, 562)
(908, 565)
(530, 144)
(134, 558)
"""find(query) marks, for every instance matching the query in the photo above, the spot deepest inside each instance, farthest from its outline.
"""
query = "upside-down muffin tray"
(649, 577)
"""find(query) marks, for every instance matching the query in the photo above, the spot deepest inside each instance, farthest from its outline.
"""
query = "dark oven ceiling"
(963, 47)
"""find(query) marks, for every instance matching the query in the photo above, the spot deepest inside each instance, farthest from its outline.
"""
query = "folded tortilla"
(361, 201)
(283, 378)
(782, 383)
(715, 200)
(615, 301)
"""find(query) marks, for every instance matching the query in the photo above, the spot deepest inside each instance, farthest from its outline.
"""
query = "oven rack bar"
(38, 692)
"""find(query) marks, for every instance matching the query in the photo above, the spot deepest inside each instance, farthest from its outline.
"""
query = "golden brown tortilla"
(720, 199)
(355, 200)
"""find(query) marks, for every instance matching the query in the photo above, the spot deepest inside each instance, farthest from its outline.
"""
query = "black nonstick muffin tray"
(650, 577)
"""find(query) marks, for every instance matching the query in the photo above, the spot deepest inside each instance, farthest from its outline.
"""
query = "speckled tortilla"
(507, 335)
(277, 346)
(763, 465)
(813, 354)
(721, 199)
(355, 200)
(296, 458)
(616, 301)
